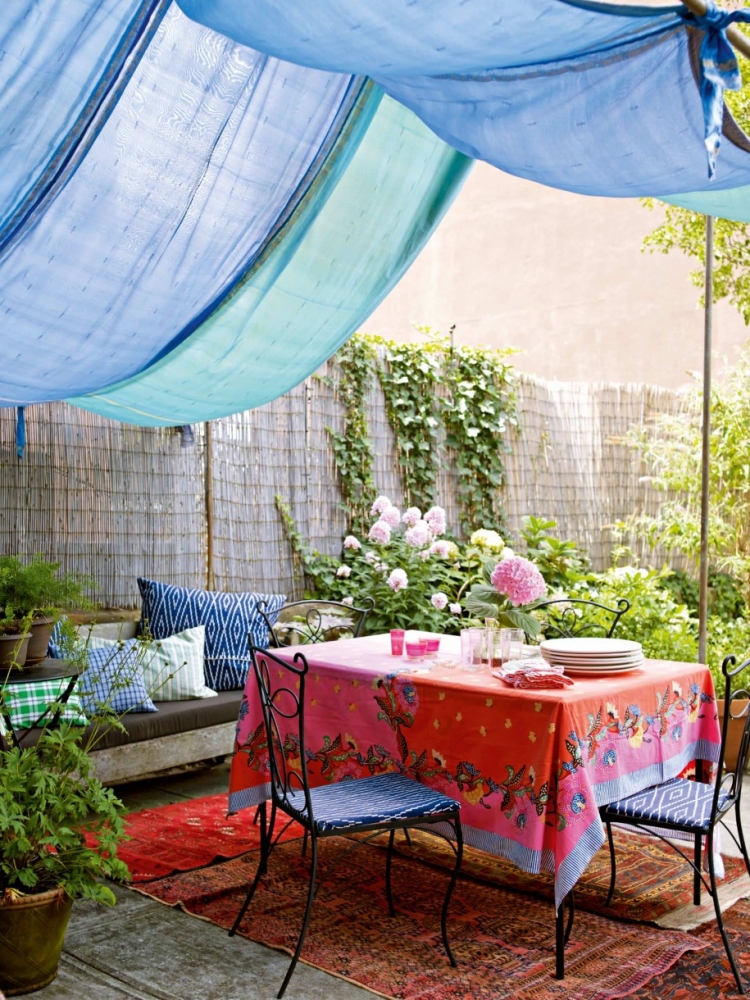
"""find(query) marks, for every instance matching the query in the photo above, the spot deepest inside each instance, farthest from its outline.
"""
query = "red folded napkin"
(533, 677)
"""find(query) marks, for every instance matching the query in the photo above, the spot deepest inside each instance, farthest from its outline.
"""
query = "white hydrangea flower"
(411, 516)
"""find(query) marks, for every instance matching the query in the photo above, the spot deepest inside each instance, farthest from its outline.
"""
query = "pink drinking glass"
(397, 641)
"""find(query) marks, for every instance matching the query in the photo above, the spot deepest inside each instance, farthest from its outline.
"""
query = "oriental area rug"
(501, 924)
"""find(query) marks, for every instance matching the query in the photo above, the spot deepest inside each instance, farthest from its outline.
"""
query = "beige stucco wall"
(561, 277)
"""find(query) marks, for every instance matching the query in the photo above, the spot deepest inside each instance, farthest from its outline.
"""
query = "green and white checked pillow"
(26, 702)
(172, 667)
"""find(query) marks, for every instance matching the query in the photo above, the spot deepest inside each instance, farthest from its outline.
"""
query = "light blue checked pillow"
(113, 678)
(228, 618)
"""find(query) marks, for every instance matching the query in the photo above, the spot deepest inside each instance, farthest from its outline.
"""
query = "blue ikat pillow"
(228, 619)
(114, 678)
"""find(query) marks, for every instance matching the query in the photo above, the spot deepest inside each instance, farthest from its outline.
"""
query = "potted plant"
(39, 592)
(15, 634)
(59, 826)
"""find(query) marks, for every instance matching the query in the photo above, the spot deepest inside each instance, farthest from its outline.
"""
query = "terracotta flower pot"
(13, 650)
(41, 630)
(735, 732)
(32, 931)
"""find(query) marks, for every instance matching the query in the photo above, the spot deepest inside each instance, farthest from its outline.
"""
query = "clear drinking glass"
(476, 649)
(511, 644)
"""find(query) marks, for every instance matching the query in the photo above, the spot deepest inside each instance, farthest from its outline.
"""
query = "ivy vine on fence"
(408, 375)
(352, 449)
(479, 407)
(437, 396)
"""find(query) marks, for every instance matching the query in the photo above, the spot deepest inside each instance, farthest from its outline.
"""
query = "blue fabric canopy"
(588, 97)
(196, 211)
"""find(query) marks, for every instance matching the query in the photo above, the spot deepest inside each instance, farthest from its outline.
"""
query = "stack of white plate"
(593, 656)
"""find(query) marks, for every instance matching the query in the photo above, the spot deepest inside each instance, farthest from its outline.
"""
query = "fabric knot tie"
(718, 71)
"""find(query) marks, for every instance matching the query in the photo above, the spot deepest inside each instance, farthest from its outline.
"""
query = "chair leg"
(741, 837)
(612, 864)
(304, 845)
(449, 891)
(571, 916)
(306, 919)
(720, 916)
(408, 838)
(697, 870)
(560, 941)
(260, 871)
(388, 857)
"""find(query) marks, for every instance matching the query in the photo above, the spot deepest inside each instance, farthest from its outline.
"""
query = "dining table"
(529, 767)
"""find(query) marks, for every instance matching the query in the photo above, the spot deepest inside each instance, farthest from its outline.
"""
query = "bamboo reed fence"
(117, 501)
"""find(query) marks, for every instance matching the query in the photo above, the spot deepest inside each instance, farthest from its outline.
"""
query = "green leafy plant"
(39, 589)
(408, 377)
(560, 562)
(670, 448)
(478, 410)
(352, 449)
(50, 801)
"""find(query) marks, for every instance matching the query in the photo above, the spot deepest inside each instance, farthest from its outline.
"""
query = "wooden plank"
(134, 760)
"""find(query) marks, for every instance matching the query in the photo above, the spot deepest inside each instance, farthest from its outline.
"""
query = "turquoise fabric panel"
(733, 204)
(307, 298)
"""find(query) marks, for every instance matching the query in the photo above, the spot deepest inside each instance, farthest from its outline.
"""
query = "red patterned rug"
(502, 931)
(652, 880)
(503, 940)
(186, 835)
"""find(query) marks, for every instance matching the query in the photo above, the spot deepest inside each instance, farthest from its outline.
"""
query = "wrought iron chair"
(302, 622)
(374, 805)
(693, 807)
(571, 621)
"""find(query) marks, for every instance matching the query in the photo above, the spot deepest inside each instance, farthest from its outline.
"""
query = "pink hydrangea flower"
(411, 516)
(435, 518)
(455, 609)
(350, 542)
(519, 579)
(381, 504)
(439, 600)
(344, 571)
(372, 557)
(391, 516)
(440, 548)
(425, 554)
(347, 600)
(380, 533)
(418, 535)
(398, 580)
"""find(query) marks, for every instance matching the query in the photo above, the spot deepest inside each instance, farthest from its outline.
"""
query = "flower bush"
(440, 585)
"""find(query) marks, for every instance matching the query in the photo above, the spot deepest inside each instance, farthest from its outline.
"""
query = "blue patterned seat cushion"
(677, 802)
(368, 801)
(228, 618)
(113, 679)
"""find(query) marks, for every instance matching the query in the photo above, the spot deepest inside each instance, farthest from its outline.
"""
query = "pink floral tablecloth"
(529, 767)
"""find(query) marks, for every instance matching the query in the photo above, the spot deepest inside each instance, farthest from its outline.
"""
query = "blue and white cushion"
(368, 801)
(677, 803)
(228, 618)
(113, 679)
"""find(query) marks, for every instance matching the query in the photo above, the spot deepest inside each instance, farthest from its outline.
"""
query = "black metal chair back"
(302, 622)
(570, 621)
(736, 712)
(281, 686)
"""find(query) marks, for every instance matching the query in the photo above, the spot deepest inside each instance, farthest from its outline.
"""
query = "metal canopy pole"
(706, 436)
